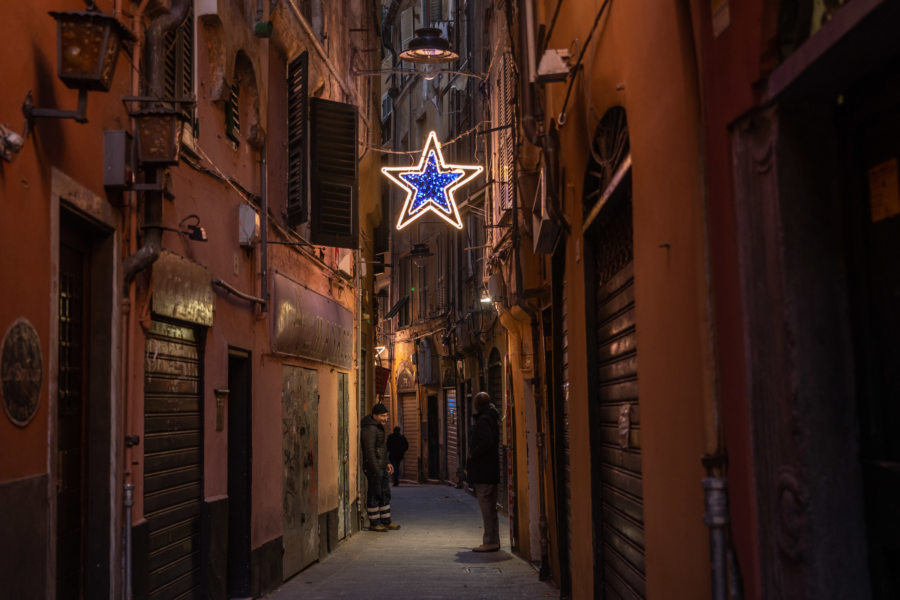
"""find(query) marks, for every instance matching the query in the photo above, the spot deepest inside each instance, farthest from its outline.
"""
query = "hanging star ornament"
(430, 185)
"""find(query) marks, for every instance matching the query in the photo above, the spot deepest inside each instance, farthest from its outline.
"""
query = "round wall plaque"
(21, 372)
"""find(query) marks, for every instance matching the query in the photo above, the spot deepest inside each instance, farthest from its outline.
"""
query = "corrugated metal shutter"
(452, 434)
(410, 417)
(616, 412)
(173, 460)
(333, 174)
(298, 140)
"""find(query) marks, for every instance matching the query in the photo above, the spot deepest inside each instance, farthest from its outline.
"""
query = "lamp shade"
(88, 44)
(428, 47)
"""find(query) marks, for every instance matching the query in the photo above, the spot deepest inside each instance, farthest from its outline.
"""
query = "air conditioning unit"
(546, 229)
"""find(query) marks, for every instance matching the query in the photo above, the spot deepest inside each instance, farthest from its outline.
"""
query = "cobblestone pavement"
(429, 558)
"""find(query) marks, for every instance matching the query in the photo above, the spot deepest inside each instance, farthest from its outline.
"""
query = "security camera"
(10, 143)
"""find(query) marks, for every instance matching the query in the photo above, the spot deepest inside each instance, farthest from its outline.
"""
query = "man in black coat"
(396, 447)
(378, 495)
(483, 466)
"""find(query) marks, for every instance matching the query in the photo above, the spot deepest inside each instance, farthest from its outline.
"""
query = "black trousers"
(378, 497)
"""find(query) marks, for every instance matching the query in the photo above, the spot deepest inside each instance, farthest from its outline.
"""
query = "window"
(406, 290)
(298, 140)
(233, 116)
(386, 119)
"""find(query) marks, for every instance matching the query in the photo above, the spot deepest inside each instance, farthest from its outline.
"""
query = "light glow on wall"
(430, 185)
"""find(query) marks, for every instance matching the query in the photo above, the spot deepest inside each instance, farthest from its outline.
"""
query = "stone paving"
(429, 558)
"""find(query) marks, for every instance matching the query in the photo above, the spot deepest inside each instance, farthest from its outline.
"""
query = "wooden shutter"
(233, 116)
(298, 140)
(178, 66)
(333, 174)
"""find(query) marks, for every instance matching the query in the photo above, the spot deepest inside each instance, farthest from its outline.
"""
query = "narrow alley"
(428, 558)
(624, 271)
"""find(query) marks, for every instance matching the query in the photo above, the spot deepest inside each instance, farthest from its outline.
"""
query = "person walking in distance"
(377, 469)
(396, 447)
(483, 466)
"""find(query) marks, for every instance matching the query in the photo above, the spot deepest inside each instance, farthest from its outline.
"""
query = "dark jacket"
(397, 446)
(374, 450)
(483, 465)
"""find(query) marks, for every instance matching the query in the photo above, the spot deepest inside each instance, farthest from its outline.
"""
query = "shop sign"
(309, 325)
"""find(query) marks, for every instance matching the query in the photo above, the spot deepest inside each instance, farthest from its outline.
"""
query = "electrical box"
(248, 225)
(118, 163)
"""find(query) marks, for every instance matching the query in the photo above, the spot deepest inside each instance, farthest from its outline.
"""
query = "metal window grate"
(298, 140)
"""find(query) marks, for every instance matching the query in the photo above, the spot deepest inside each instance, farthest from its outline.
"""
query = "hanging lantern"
(158, 135)
(88, 44)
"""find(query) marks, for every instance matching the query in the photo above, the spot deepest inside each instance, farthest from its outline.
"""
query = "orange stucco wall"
(642, 58)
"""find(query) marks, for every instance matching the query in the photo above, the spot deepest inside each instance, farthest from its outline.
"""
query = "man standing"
(396, 447)
(378, 497)
(483, 467)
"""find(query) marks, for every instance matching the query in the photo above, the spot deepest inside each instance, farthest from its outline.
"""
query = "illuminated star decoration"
(430, 185)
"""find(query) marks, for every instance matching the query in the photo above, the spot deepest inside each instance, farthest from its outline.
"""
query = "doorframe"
(106, 373)
(246, 412)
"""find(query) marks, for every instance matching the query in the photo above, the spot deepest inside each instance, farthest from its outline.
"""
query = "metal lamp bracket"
(32, 112)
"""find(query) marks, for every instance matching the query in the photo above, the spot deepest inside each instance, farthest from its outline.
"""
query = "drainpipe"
(147, 254)
(264, 230)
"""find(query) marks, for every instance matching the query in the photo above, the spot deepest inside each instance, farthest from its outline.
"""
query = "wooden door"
(299, 412)
(71, 416)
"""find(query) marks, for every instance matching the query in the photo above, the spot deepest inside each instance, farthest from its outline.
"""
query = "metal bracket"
(31, 112)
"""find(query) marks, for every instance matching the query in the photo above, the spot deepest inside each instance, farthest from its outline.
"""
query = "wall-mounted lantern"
(158, 130)
(88, 44)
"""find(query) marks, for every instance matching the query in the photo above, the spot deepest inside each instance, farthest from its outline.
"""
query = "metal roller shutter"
(410, 418)
(452, 435)
(616, 412)
(173, 460)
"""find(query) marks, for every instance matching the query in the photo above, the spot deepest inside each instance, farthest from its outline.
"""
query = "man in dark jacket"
(378, 497)
(483, 466)
(396, 447)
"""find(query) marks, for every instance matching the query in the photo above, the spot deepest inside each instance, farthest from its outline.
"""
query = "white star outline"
(469, 172)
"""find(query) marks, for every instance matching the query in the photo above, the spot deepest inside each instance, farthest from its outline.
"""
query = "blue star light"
(430, 185)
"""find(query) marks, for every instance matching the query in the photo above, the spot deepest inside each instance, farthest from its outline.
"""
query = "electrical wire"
(561, 119)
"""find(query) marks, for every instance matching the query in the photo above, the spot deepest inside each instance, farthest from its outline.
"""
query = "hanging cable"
(561, 120)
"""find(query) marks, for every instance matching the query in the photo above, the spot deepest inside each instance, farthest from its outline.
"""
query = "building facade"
(195, 332)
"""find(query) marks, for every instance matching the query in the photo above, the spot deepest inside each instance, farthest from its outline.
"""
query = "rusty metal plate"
(21, 372)
(310, 325)
(182, 289)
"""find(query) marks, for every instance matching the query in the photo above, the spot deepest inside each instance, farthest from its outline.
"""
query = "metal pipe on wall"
(141, 258)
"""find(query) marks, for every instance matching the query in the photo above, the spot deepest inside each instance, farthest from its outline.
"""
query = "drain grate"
(482, 570)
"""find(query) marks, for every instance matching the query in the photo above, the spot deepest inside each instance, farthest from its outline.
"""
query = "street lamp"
(428, 47)
(158, 135)
(88, 44)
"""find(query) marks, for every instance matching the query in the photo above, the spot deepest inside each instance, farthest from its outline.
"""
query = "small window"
(233, 116)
